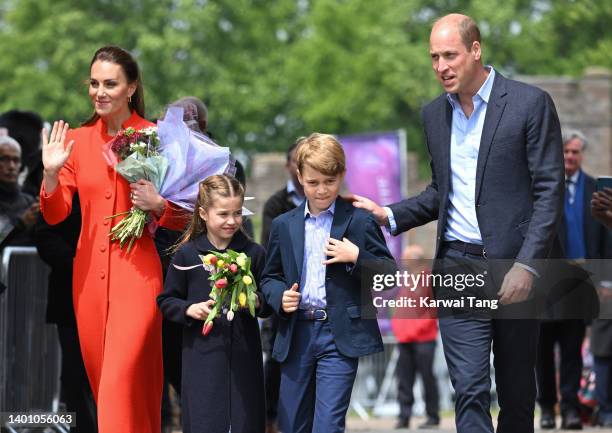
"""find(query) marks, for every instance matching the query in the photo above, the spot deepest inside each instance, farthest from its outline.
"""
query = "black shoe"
(430, 423)
(571, 421)
(547, 419)
(402, 423)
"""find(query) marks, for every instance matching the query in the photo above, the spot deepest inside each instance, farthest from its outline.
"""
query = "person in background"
(601, 207)
(582, 237)
(283, 200)
(18, 210)
(416, 331)
(25, 127)
(601, 330)
(240, 175)
(56, 246)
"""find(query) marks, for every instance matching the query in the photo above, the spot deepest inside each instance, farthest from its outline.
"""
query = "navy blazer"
(520, 177)
(351, 313)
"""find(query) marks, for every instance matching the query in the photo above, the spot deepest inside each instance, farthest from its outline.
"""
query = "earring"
(129, 99)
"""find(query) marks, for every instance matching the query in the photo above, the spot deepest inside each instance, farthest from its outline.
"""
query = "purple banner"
(375, 168)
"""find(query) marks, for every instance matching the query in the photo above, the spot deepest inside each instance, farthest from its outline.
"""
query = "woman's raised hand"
(55, 152)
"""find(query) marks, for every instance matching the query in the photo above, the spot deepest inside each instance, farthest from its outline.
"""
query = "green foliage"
(273, 70)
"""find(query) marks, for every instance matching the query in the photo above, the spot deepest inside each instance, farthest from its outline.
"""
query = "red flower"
(221, 283)
(207, 328)
(233, 268)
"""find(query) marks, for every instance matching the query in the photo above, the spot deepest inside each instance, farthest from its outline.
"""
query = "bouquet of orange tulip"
(233, 285)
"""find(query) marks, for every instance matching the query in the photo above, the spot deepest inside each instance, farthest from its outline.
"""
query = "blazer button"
(102, 274)
(108, 194)
(102, 247)
(105, 222)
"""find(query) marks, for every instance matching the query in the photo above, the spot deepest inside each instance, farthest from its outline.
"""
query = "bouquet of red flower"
(233, 285)
(135, 155)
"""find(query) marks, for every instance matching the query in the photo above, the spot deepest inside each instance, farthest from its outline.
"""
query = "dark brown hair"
(219, 184)
(121, 57)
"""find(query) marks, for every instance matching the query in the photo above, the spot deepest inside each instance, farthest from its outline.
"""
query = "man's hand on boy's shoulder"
(291, 299)
(378, 212)
(343, 251)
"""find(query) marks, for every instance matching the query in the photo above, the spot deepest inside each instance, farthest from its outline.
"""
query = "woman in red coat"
(114, 291)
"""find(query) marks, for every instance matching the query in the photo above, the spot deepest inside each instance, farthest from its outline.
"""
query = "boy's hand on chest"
(343, 251)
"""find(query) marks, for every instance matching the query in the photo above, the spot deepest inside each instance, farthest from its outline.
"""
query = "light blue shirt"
(462, 224)
(316, 234)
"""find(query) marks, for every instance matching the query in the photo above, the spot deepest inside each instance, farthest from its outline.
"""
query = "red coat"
(114, 292)
(414, 325)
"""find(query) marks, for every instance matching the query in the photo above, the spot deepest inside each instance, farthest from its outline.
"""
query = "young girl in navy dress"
(222, 372)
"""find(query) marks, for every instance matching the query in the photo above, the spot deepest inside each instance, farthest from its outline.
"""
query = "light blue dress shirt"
(466, 133)
(316, 234)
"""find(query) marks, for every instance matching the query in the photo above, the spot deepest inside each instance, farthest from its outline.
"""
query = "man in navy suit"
(320, 256)
(497, 193)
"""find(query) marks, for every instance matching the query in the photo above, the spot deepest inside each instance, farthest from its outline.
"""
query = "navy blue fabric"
(316, 382)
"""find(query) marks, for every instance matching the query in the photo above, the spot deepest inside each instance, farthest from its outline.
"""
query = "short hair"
(294, 146)
(7, 141)
(570, 134)
(469, 31)
(467, 28)
(323, 153)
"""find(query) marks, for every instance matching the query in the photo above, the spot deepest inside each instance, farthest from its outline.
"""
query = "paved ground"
(386, 425)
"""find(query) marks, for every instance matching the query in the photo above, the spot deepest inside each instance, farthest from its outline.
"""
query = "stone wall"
(585, 103)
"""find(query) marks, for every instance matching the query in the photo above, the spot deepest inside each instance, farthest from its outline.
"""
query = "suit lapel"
(495, 109)
(445, 139)
(296, 230)
(342, 217)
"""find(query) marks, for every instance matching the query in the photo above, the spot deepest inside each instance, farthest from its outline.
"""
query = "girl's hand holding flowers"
(201, 310)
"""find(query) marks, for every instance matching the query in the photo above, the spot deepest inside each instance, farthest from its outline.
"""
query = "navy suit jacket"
(520, 178)
(351, 314)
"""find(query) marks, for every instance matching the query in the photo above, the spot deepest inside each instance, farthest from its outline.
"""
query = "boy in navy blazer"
(321, 256)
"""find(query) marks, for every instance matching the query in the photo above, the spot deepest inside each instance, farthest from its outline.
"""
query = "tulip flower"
(233, 268)
(207, 328)
(221, 283)
(247, 280)
(242, 299)
(230, 315)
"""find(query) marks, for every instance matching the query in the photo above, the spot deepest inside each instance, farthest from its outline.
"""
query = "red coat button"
(102, 274)
(108, 194)
(105, 222)
(102, 248)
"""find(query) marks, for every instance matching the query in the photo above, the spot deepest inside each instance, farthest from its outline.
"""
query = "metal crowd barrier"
(30, 356)
(375, 389)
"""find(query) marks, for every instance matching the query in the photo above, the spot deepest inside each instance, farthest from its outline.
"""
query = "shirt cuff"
(392, 225)
(529, 268)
